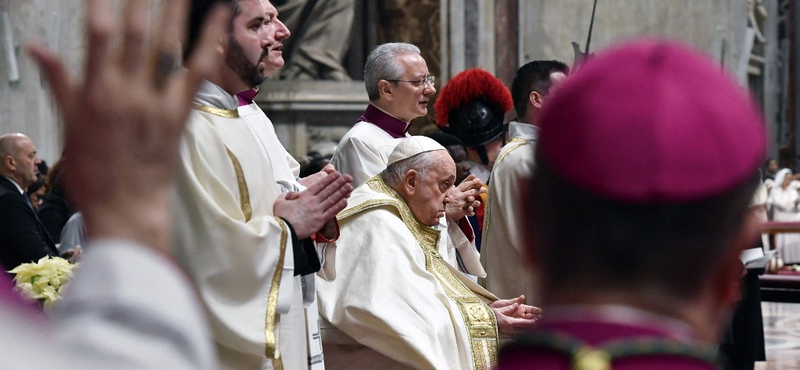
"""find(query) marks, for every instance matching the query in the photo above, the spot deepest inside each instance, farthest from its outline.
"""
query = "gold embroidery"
(225, 113)
(518, 142)
(272, 351)
(478, 318)
(244, 193)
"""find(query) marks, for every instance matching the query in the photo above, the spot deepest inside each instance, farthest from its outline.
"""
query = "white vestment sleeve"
(129, 308)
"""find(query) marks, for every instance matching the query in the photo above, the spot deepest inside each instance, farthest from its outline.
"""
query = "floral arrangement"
(44, 280)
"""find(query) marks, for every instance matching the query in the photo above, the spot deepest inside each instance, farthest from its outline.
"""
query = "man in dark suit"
(22, 237)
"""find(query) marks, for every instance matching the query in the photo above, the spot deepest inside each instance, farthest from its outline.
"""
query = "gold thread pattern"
(244, 193)
(224, 113)
(271, 341)
(478, 318)
(518, 142)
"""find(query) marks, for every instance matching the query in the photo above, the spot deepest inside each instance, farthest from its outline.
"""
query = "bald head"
(19, 159)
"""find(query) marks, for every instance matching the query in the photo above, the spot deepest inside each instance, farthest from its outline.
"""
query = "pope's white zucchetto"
(412, 146)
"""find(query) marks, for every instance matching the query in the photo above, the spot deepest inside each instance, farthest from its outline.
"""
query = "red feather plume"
(467, 86)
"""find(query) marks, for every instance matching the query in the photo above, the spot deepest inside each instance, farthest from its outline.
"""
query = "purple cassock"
(623, 341)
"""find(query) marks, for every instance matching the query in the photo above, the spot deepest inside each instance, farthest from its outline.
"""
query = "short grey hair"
(382, 64)
(396, 172)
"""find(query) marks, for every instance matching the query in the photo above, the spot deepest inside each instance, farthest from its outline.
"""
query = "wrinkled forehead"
(445, 166)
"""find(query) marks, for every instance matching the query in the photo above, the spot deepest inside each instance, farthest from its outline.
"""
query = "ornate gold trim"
(478, 318)
(519, 142)
(225, 113)
(488, 211)
(244, 193)
(271, 341)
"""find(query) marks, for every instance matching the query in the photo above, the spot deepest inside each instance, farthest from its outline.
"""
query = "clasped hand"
(315, 208)
(514, 316)
(464, 198)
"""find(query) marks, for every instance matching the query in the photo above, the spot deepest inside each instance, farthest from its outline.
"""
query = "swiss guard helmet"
(471, 107)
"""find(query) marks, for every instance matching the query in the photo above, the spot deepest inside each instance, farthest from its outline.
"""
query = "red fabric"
(652, 122)
(319, 238)
(466, 228)
(467, 86)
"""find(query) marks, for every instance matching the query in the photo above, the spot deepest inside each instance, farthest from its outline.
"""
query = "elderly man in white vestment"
(502, 241)
(245, 221)
(389, 293)
(399, 87)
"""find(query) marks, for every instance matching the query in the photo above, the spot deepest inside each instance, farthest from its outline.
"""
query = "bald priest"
(398, 299)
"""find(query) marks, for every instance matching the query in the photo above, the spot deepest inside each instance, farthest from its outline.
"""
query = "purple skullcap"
(652, 121)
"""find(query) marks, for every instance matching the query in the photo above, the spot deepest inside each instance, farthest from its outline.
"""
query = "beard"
(248, 71)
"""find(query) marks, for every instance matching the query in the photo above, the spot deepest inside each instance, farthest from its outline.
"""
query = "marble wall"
(25, 103)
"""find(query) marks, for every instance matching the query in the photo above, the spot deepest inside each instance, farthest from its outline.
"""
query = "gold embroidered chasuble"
(503, 241)
(395, 300)
(237, 253)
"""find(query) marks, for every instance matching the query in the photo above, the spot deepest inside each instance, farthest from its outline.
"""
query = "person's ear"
(9, 162)
(410, 182)
(385, 90)
(536, 99)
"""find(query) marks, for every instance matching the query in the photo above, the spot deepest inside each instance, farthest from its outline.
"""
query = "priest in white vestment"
(502, 242)
(399, 87)
(389, 294)
(243, 219)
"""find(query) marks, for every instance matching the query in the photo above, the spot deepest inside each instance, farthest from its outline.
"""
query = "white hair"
(394, 174)
(382, 64)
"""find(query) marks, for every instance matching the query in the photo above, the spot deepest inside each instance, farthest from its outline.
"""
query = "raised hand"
(123, 122)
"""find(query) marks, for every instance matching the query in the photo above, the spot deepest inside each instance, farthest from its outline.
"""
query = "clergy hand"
(310, 180)
(464, 198)
(309, 210)
(123, 122)
(514, 316)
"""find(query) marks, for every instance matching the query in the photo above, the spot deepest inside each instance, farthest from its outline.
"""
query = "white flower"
(44, 280)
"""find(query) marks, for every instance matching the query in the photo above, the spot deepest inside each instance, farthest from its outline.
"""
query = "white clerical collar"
(522, 130)
(212, 95)
(19, 188)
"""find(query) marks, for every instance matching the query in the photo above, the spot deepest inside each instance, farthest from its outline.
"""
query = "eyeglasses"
(430, 79)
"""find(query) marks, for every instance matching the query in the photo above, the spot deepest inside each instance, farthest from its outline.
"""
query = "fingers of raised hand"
(56, 74)
(135, 27)
(99, 29)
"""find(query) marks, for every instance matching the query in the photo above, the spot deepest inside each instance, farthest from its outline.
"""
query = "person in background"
(638, 264)
(471, 107)
(129, 305)
(36, 193)
(56, 208)
(23, 238)
(502, 242)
